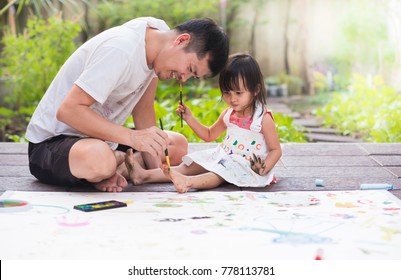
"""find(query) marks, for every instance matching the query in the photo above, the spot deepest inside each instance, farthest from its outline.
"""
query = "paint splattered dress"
(230, 159)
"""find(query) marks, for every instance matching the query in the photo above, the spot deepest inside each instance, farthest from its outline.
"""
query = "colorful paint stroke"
(13, 205)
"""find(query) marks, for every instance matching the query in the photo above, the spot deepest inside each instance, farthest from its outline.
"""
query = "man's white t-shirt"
(111, 67)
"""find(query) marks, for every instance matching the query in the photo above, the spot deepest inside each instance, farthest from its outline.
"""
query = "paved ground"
(341, 166)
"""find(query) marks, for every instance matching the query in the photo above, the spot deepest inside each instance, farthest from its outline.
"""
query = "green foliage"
(372, 112)
(31, 60)
(204, 101)
(173, 12)
(13, 123)
(28, 63)
(287, 131)
(16, 138)
(206, 105)
(5, 120)
(320, 82)
(40, 6)
(112, 13)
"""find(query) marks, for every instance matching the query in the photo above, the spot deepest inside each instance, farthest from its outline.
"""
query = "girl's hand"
(183, 111)
(258, 165)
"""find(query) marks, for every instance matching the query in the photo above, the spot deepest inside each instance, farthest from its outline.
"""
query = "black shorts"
(48, 162)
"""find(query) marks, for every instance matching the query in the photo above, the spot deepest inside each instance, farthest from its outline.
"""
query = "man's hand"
(257, 165)
(152, 140)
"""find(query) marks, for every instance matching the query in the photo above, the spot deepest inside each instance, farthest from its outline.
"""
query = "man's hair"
(206, 38)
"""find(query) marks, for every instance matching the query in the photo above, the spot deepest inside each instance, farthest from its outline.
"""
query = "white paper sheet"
(205, 225)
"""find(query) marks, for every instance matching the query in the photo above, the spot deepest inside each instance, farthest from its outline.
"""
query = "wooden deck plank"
(395, 170)
(15, 171)
(14, 159)
(388, 160)
(330, 171)
(13, 148)
(284, 184)
(382, 148)
(342, 166)
(312, 161)
(323, 149)
(330, 184)
(30, 183)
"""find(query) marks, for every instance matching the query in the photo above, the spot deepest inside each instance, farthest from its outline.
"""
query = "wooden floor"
(341, 166)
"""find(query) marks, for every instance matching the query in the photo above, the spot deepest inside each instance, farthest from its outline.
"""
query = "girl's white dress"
(230, 159)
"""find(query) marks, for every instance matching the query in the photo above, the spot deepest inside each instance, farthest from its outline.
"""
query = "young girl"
(250, 149)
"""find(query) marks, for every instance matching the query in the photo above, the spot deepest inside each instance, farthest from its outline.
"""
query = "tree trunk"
(11, 19)
(286, 38)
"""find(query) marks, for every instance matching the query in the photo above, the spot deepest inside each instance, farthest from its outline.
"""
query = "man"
(76, 128)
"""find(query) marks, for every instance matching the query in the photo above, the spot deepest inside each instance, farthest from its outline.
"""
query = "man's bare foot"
(120, 156)
(180, 181)
(116, 183)
(136, 172)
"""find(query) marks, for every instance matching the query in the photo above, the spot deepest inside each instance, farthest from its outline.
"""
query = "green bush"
(112, 13)
(206, 105)
(287, 131)
(30, 61)
(372, 112)
(28, 64)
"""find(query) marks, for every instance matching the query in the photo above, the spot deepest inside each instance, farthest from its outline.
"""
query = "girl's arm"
(207, 134)
(273, 143)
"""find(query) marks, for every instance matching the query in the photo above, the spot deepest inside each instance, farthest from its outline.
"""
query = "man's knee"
(92, 160)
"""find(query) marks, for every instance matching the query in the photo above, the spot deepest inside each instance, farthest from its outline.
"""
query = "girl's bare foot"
(116, 183)
(136, 172)
(180, 181)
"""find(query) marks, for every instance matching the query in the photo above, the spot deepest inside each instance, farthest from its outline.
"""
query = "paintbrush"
(181, 100)
(166, 150)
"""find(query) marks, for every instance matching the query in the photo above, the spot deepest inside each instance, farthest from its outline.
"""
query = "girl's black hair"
(243, 67)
